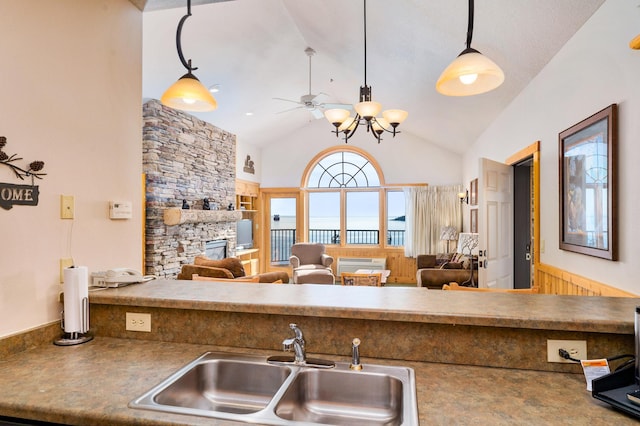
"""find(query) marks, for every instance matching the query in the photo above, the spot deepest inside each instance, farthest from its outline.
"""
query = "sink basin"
(217, 383)
(224, 385)
(247, 388)
(343, 398)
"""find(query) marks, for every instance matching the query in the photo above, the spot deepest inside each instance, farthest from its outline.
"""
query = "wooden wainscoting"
(403, 269)
(552, 280)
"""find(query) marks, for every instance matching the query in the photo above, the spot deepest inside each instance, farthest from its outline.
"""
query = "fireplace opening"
(216, 249)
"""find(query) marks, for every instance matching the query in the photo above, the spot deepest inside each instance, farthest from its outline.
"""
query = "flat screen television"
(244, 234)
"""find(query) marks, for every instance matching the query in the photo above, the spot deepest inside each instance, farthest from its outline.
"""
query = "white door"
(495, 224)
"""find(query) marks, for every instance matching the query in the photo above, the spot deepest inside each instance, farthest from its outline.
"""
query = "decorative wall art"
(588, 185)
(473, 220)
(473, 193)
(248, 165)
(11, 194)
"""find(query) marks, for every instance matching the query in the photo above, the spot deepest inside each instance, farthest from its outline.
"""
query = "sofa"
(228, 268)
(433, 271)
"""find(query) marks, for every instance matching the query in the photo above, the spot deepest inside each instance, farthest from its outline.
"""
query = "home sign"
(26, 195)
(11, 194)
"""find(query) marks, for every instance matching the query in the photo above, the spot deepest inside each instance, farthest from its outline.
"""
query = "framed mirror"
(588, 184)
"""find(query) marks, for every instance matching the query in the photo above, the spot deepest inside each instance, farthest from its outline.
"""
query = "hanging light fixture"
(188, 94)
(366, 109)
(470, 73)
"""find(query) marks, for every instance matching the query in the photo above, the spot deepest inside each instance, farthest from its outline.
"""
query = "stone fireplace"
(185, 158)
(216, 249)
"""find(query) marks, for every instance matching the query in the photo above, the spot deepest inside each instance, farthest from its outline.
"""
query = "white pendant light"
(188, 94)
(471, 73)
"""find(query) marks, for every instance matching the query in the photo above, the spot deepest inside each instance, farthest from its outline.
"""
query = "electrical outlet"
(64, 263)
(67, 208)
(576, 348)
(138, 322)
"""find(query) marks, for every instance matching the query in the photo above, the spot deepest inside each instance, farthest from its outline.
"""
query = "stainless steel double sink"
(247, 388)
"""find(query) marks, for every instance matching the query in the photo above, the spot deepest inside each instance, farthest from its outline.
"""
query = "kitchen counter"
(407, 304)
(413, 324)
(92, 383)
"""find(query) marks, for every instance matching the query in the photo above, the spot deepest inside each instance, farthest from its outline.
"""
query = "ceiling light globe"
(395, 116)
(348, 125)
(336, 116)
(368, 109)
(188, 94)
(489, 75)
(379, 125)
(468, 78)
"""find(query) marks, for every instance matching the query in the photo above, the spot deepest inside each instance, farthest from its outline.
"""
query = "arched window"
(343, 169)
(347, 202)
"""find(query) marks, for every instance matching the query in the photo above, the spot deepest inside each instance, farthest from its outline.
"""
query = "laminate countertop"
(92, 383)
(411, 304)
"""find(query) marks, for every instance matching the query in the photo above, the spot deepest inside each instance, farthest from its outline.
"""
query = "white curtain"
(427, 210)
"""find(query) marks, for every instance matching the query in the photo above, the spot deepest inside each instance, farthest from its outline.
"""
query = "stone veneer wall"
(184, 158)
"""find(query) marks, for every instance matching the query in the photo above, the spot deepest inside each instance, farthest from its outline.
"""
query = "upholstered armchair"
(226, 269)
(311, 261)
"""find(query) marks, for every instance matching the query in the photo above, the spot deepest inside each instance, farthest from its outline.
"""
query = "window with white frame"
(348, 205)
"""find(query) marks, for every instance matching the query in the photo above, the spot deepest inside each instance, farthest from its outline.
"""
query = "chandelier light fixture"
(366, 109)
(188, 94)
(470, 73)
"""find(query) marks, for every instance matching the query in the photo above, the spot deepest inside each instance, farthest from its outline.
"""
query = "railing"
(395, 237)
(283, 239)
(281, 242)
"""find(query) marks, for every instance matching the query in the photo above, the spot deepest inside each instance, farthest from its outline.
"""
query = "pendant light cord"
(470, 25)
(365, 42)
(310, 74)
(186, 64)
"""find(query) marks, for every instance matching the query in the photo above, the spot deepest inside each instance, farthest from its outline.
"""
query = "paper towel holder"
(75, 338)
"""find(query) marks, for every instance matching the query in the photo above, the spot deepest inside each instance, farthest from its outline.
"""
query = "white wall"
(71, 97)
(403, 159)
(593, 70)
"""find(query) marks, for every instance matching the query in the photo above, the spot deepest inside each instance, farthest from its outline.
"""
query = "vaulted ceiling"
(255, 51)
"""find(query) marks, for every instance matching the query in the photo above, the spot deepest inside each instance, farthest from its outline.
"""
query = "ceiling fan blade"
(290, 109)
(287, 100)
(317, 114)
(336, 106)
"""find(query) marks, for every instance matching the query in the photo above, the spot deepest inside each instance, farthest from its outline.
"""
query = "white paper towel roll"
(76, 299)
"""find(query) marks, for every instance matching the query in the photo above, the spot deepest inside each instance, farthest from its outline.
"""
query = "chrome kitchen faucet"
(297, 343)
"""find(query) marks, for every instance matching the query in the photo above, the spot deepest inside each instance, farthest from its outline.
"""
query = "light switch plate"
(67, 207)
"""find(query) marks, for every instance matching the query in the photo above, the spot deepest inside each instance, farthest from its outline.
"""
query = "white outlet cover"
(138, 322)
(577, 349)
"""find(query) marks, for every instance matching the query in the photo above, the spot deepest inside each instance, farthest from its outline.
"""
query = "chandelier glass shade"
(471, 73)
(366, 110)
(188, 94)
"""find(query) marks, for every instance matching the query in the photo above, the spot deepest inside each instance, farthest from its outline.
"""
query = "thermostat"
(120, 210)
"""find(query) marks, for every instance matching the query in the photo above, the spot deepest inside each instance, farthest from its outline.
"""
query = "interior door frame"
(532, 151)
(266, 195)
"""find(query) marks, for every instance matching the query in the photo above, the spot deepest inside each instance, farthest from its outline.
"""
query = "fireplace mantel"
(178, 216)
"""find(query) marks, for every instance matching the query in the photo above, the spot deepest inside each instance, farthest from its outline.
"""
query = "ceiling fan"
(310, 101)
